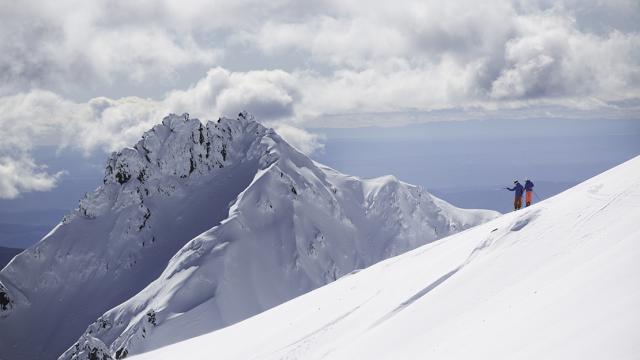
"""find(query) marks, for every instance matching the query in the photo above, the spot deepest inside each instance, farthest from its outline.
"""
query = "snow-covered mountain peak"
(556, 280)
(174, 183)
(297, 226)
(209, 222)
(180, 149)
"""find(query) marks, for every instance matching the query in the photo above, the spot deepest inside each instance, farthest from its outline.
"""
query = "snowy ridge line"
(206, 225)
(318, 221)
(123, 233)
(292, 182)
(557, 280)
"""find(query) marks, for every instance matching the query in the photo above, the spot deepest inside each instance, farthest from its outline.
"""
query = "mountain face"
(557, 280)
(207, 225)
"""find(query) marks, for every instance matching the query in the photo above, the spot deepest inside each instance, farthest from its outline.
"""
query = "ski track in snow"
(296, 349)
(416, 297)
(293, 350)
(519, 224)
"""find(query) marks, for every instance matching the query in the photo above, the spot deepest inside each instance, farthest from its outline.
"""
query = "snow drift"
(206, 225)
(558, 280)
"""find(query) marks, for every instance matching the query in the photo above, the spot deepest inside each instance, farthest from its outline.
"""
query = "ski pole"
(536, 195)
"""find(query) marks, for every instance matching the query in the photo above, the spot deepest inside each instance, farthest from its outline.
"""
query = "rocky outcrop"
(297, 226)
(6, 303)
(206, 223)
(89, 348)
(175, 183)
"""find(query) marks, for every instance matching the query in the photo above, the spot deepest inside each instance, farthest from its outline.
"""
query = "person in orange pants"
(528, 188)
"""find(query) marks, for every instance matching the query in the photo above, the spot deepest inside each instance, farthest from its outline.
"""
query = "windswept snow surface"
(558, 280)
(199, 226)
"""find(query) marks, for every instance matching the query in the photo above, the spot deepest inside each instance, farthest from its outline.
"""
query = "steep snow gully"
(557, 280)
(199, 226)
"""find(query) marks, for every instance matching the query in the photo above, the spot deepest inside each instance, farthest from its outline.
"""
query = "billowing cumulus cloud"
(301, 64)
(72, 44)
(302, 140)
(268, 94)
(428, 55)
(501, 50)
(19, 175)
(41, 117)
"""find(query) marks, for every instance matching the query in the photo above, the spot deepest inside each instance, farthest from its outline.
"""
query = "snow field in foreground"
(558, 280)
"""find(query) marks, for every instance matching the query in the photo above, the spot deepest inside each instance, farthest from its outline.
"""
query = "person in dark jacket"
(517, 187)
(528, 188)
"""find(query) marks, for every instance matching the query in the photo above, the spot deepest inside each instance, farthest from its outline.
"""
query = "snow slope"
(558, 280)
(174, 184)
(214, 222)
(297, 226)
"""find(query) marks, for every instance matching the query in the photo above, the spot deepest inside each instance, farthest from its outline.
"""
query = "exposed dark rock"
(121, 353)
(146, 217)
(97, 354)
(151, 317)
(224, 152)
(141, 176)
(104, 323)
(200, 129)
(122, 177)
(192, 165)
(4, 301)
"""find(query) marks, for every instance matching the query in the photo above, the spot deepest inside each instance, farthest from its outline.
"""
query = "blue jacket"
(518, 189)
(528, 186)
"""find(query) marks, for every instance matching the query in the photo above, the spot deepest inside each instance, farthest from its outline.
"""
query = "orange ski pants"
(529, 197)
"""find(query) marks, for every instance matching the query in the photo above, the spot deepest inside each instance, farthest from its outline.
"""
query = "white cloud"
(73, 44)
(23, 175)
(342, 63)
(267, 94)
(460, 51)
(308, 143)
(429, 55)
(551, 59)
(41, 117)
(44, 118)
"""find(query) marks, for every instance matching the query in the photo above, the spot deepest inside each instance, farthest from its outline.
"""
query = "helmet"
(515, 181)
